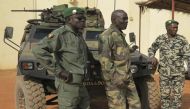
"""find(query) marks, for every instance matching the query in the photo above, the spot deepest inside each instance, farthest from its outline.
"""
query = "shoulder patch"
(51, 36)
(56, 32)
(114, 34)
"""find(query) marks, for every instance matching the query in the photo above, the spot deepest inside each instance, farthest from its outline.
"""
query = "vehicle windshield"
(40, 34)
(92, 35)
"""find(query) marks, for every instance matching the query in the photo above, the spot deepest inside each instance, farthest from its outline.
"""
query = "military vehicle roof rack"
(49, 15)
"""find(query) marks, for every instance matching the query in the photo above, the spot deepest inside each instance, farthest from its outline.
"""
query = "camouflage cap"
(73, 10)
(169, 22)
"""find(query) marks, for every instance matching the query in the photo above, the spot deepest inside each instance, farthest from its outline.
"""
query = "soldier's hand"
(65, 75)
(119, 83)
(135, 47)
(154, 61)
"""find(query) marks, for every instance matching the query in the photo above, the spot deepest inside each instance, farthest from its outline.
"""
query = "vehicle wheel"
(149, 92)
(29, 94)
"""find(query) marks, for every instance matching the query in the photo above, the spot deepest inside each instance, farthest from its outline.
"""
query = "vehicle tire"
(149, 92)
(29, 94)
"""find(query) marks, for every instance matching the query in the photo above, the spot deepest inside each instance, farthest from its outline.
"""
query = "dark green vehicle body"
(34, 82)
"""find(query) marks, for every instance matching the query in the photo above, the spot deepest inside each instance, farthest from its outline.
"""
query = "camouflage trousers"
(72, 96)
(171, 88)
(119, 97)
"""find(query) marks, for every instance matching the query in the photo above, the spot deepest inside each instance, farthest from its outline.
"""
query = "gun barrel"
(27, 10)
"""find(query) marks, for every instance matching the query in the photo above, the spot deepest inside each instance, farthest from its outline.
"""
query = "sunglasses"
(81, 18)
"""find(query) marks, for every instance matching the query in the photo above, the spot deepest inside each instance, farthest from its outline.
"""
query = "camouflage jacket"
(68, 48)
(172, 53)
(114, 54)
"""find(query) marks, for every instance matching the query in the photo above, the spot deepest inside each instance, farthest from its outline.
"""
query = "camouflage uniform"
(115, 63)
(70, 51)
(171, 68)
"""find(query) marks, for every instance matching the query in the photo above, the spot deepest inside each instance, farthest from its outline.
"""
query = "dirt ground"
(7, 91)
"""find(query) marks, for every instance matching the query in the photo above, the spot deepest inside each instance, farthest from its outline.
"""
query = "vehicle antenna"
(114, 4)
(87, 2)
(96, 3)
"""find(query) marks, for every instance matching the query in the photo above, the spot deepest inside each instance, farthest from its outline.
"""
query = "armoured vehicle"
(34, 83)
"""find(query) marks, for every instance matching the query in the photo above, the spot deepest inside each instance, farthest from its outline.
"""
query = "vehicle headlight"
(27, 65)
(133, 68)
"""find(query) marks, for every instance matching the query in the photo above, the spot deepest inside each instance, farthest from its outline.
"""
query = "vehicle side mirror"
(132, 37)
(132, 40)
(8, 34)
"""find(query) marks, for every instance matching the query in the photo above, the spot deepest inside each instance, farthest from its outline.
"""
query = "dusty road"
(7, 88)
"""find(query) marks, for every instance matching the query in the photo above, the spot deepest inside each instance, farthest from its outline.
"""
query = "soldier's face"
(121, 21)
(77, 21)
(172, 29)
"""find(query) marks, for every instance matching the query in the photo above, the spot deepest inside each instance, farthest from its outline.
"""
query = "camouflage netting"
(180, 5)
(94, 18)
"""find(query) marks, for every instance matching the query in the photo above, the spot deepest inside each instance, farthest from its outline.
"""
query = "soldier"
(171, 64)
(70, 51)
(115, 63)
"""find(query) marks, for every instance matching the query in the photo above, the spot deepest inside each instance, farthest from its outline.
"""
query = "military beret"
(169, 22)
(72, 10)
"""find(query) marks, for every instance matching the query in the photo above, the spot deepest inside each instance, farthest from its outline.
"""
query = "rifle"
(49, 15)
